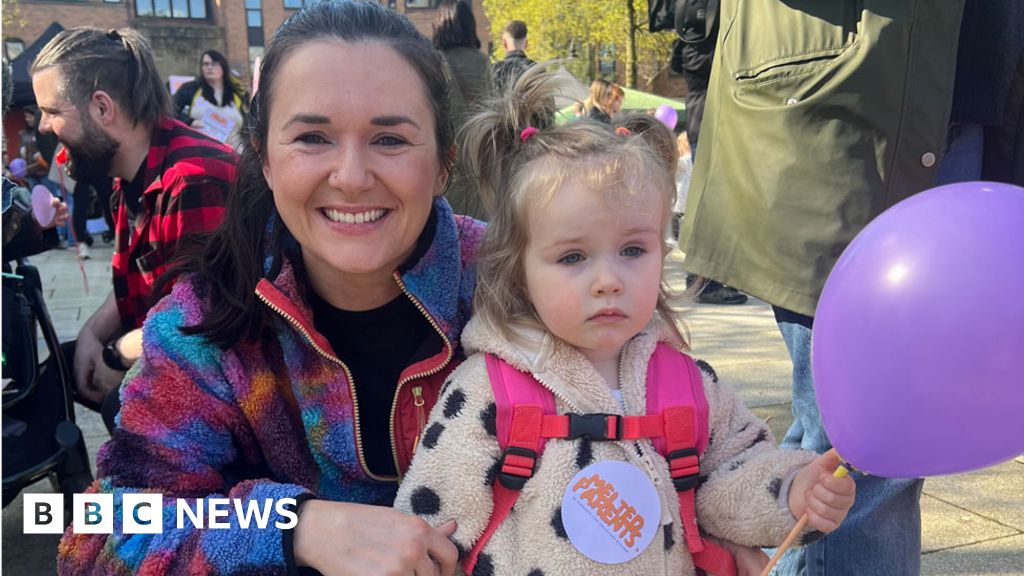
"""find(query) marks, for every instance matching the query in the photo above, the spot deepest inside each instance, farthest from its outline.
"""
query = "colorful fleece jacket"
(743, 480)
(267, 419)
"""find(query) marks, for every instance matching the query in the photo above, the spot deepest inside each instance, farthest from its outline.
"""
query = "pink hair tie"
(623, 131)
(526, 133)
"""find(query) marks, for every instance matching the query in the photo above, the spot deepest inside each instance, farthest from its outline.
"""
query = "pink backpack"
(676, 422)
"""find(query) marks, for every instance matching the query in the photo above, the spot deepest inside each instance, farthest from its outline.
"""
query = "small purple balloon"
(918, 335)
(667, 115)
(18, 167)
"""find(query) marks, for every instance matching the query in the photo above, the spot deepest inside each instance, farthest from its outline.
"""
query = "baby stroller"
(40, 437)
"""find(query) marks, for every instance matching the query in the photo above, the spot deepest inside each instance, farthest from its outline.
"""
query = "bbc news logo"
(143, 513)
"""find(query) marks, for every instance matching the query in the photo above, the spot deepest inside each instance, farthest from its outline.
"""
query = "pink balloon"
(918, 336)
(42, 205)
(667, 115)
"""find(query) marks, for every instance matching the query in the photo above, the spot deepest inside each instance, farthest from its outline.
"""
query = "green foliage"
(567, 28)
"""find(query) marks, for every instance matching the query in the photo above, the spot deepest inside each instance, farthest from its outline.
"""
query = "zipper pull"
(421, 419)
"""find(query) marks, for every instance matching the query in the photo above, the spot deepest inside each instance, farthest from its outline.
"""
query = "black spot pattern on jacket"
(670, 538)
(761, 437)
(775, 487)
(556, 523)
(432, 434)
(488, 417)
(812, 536)
(425, 502)
(536, 572)
(492, 473)
(584, 453)
(707, 369)
(453, 404)
(736, 464)
(484, 565)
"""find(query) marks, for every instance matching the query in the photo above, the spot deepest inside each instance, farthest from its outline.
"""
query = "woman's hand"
(823, 497)
(341, 539)
(749, 561)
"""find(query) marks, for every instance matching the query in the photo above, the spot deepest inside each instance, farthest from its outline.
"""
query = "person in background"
(696, 26)
(172, 183)
(214, 103)
(515, 43)
(470, 84)
(604, 101)
(814, 125)
(306, 340)
(991, 45)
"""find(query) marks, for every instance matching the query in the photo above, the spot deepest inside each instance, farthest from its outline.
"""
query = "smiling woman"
(300, 351)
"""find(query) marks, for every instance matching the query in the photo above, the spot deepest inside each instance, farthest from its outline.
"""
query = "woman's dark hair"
(230, 262)
(455, 26)
(230, 86)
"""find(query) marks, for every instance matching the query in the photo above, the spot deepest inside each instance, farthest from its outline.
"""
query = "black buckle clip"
(684, 483)
(593, 426)
(515, 481)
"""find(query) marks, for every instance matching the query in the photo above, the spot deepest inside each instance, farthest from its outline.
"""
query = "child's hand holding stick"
(821, 494)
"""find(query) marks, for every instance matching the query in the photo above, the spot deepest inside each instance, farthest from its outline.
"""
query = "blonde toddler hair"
(516, 171)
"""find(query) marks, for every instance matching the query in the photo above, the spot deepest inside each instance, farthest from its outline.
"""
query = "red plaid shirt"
(185, 186)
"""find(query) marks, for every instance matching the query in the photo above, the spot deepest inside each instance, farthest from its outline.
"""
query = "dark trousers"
(84, 195)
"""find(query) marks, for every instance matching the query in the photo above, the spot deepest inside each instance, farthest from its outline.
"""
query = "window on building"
(294, 4)
(420, 3)
(193, 9)
(13, 47)
(254, 28)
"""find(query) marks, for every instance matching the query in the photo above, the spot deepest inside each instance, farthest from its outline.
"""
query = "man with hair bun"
(101, 95)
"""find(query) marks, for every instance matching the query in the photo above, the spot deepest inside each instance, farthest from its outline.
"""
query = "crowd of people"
(324, 295)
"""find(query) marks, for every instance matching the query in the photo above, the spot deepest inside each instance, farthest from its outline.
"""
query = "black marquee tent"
(23, 95)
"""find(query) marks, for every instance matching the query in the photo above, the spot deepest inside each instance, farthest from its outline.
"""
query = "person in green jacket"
(820, 115)
(470, 78)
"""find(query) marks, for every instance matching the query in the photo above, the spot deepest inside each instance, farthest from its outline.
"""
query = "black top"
(132, 192)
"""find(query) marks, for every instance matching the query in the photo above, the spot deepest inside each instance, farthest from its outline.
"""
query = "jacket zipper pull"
(421, 419)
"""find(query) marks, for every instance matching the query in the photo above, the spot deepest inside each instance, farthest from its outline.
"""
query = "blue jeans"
(965, 147)
(882, 534)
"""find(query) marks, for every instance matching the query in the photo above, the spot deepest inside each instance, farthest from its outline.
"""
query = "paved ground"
(973, 523)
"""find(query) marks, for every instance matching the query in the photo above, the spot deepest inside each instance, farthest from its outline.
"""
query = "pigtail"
(492, 142)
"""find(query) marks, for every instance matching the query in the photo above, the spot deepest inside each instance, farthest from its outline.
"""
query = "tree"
(560, 29)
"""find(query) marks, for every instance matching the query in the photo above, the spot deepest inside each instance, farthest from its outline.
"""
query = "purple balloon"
(18, 167)
(667, 116)
(918, 351)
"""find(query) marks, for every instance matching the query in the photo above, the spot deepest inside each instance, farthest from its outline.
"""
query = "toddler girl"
(570, 295)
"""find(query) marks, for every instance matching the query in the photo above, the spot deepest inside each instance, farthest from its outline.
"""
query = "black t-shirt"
(132, 194)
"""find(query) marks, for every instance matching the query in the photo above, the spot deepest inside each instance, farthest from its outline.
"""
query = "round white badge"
(611, 511)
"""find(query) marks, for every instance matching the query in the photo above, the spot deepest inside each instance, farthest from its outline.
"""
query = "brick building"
(180, 30)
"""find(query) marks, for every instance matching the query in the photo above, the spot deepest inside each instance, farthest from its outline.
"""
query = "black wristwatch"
(112, 357)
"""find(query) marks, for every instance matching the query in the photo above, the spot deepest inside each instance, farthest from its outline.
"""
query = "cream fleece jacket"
(456, 463)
